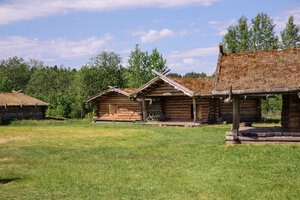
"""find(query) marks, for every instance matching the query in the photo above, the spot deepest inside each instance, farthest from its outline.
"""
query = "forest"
(66, 88)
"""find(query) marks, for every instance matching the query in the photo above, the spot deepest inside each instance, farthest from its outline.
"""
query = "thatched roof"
(125, 92)
(200, 86)
(19, 99)
(261, 70)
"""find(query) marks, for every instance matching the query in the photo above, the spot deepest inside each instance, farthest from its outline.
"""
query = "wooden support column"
(96, 110)
(144, 109)
(0, 115)
(236, 117)
(194, 109)
(162, 108)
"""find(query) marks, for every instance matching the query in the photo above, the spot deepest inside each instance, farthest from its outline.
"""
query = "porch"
(262, 135)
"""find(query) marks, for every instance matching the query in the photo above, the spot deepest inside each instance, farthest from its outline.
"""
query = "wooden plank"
(259, 91)
(144, 109)
(236, 117)
(194, 110)
(279, 139)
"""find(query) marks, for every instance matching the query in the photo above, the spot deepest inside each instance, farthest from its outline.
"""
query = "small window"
(112, 109)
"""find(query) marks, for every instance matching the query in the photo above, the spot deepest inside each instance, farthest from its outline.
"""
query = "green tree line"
(66, 89)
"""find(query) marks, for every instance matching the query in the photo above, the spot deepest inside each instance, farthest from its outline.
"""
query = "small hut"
(245, 74)
(188, 101)
(114, 105)
(17, 105)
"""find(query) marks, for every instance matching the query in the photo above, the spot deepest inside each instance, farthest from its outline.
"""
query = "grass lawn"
(80, 160)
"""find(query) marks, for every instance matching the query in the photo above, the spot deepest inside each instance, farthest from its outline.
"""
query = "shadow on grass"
(5, 123)
(271, 120)
(8, 180)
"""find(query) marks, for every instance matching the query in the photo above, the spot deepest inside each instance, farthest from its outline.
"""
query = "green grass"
(80, 160)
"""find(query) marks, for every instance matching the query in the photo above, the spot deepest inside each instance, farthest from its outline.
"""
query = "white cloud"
(153, 35)
(214, 22)
(222, 27)
(197, 60)
(192, 65)
(282, 18)
(50, 49)
(196, 52)
(16, 10)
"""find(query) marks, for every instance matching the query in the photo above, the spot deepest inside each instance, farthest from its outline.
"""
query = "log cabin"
(256, 73)
(17, 105)
(189, 100)
(114, 105)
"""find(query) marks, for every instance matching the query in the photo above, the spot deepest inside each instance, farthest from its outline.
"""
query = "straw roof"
(261, 70)
(197, 85)
(19, 99)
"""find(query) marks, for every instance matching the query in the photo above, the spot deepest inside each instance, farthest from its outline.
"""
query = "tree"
(174, 75)
(17, 71)
(237, 37)
(6, 85)
(141, 65)
(290, 35)
(262, 33)
(103, 70)
(195, 75)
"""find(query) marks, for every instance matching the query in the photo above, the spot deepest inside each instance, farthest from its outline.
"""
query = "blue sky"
(69, 32)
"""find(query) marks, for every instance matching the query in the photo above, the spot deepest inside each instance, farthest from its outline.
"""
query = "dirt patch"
(12, 138)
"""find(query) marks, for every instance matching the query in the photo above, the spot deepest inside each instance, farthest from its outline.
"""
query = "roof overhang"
(110, 90)
(162, 77)
(257, 91)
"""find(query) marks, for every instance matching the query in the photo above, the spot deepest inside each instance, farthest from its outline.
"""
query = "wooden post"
(0, 115)
(162, 108)
(236, 117)
(194, 109)
(96, 110)
(144, 109)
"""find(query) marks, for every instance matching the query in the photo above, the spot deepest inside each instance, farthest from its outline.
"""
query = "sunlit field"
(79, 160)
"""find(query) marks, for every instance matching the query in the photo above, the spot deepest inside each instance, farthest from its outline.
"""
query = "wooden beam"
(176, 85)
(236, 117)
(221, 54)
(257, 91)
(144, 111)
(162, 108)
(194, 109)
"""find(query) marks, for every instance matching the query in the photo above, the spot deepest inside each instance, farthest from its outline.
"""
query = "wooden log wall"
(29, 112)
(178, 108)
(123, 108)
(250, 110)
(205, 110)
(291, 112)
(163, 89)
